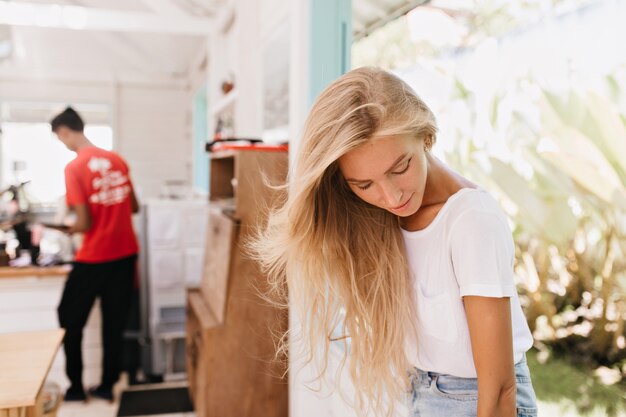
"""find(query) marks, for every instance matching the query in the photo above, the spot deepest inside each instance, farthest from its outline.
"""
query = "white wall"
(153, 130)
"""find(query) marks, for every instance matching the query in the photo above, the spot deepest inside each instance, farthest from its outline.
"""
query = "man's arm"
(133, 201)
(76, 199)
(83, 219)
(489, 321)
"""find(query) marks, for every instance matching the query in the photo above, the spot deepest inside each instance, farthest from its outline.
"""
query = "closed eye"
(364, 187)
(405, 169)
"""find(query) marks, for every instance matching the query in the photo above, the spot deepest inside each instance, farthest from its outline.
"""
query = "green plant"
(558, 381)
(568, 211)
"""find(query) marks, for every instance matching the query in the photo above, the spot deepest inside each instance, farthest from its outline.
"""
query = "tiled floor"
(91, 409)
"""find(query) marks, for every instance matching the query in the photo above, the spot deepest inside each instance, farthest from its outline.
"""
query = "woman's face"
(389, 173)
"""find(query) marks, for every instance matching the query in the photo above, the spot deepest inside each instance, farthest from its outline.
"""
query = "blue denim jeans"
(439, 395)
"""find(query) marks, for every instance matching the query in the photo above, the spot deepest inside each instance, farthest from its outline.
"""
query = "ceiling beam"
(122, 45)
(87, 18)
(119, 45)
(28, 74)
(165, 8)
(198, 7)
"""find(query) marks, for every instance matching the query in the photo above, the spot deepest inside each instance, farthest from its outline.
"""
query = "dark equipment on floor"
(155, 401)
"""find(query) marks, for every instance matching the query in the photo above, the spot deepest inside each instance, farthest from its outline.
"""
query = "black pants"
(112, 282)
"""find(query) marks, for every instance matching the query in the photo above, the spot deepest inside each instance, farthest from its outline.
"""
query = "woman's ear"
(428, 142)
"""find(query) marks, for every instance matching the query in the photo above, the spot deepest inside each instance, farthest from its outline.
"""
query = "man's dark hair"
(68, 118)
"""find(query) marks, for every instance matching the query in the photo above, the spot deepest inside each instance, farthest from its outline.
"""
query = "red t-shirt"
(100, 179)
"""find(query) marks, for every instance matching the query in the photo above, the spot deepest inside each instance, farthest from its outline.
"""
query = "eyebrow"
(397, 161)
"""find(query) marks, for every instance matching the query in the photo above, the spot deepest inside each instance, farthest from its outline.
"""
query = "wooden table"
(25, 359)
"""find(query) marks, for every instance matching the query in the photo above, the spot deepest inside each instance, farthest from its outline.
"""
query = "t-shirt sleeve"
(482, 253)
(74, 192)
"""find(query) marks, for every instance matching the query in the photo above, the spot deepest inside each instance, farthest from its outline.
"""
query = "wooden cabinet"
(231, 330)
(238, 182)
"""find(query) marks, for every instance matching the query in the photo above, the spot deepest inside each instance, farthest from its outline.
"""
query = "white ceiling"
(151, 40)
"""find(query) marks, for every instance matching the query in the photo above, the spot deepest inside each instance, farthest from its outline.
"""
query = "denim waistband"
(420, 376)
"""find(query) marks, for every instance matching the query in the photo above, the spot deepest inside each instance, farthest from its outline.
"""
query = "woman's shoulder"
(475, 199)
(476, 211)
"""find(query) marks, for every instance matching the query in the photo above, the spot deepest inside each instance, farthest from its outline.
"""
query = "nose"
(391, 195)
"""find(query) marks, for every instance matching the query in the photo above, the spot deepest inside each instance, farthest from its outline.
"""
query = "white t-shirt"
(466, 250)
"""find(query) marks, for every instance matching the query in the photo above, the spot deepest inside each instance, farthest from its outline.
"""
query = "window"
(31, 152)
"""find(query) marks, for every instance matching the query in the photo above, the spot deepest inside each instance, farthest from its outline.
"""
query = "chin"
(406, 214)
(403, 215)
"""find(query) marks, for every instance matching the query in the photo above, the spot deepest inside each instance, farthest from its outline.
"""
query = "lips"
(403, 205)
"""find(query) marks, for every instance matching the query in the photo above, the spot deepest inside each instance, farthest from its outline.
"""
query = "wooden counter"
(25, 359)
(34, 271)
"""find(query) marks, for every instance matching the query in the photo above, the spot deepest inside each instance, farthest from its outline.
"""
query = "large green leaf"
(549, 179)
(595, 118)
(549, 217)
(592, 181)
(586, 165)
(612, 137)
(570, 111)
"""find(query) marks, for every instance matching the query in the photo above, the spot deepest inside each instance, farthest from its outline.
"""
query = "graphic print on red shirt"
(100, 179)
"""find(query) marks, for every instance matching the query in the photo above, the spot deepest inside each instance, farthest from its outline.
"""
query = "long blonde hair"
(340, 260)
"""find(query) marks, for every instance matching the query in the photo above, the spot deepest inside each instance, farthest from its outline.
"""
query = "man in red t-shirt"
(100, 193)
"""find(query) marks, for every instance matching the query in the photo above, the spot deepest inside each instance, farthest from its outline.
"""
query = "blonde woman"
(410, 258)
